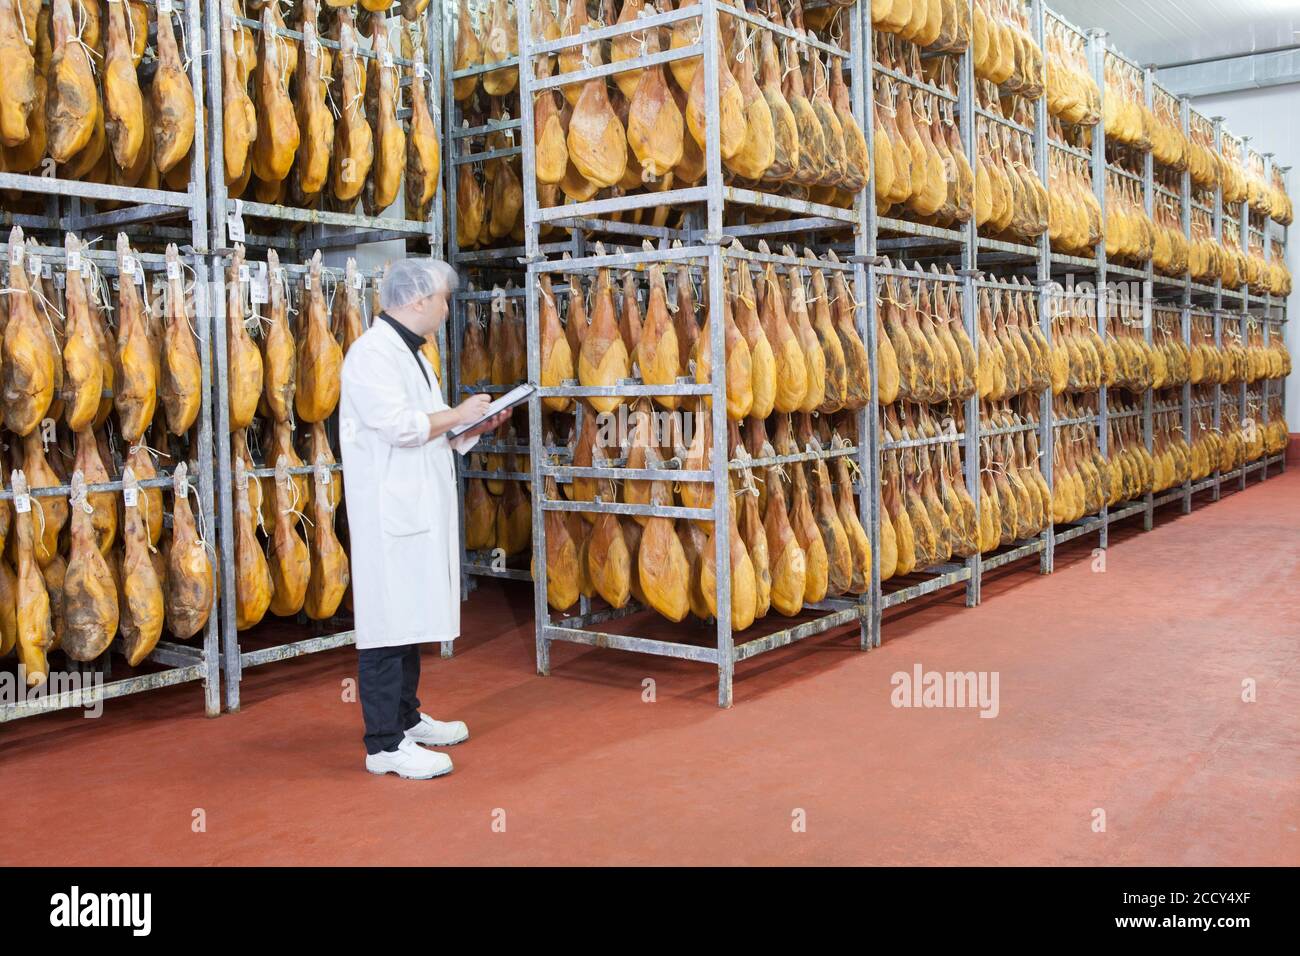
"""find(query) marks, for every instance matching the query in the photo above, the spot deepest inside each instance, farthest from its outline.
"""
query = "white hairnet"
(410, 280)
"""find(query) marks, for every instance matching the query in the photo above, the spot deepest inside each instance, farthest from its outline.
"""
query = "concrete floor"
(1119, 691)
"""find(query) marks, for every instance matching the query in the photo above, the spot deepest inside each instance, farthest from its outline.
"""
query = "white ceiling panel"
(1170, 31)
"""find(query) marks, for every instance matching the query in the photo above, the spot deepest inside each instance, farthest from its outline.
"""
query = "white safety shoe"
(409, 762)
(438, 733)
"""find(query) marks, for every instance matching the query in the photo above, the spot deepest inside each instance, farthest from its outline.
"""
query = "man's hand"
(472, 409)
(490, 425)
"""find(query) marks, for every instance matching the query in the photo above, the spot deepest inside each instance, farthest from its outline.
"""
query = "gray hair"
(410, 280)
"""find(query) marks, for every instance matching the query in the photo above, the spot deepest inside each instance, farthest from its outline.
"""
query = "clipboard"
(516, 396)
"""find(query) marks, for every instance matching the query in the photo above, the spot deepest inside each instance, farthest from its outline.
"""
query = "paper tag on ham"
(130, 497)
(22, 504)
(235, 223)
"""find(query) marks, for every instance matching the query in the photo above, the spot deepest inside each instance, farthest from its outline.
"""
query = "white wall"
(1269, 117)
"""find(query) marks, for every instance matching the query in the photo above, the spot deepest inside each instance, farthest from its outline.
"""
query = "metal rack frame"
(328, 230)
(498, 263)
(703, 237)
(138, 207)
(959, 243)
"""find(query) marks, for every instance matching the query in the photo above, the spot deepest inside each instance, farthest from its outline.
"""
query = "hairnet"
(410, 280)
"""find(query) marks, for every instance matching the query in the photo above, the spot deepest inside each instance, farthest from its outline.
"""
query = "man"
(403, 517)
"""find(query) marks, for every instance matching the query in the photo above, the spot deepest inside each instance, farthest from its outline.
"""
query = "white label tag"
(128, 265)
(420, 70)
(22, 504)
(46, 271)
(34, 266)
(164, 6)
(386, 59)
(235, 223)
(245, 274)
(16, 253)
(313, 46)
(74, 260)
(323, 474)
(358, 281)
(173, 270)
(130, 497)
(259, 290)
(306, 281)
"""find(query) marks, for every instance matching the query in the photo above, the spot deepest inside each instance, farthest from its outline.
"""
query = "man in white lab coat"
(400, 486)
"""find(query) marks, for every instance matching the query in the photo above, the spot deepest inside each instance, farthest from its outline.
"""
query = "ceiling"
(1173, 31)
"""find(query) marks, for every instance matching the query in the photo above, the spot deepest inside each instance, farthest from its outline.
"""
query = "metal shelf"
(323, 229)
(66, 206)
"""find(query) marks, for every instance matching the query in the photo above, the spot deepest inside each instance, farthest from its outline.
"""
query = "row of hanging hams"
(928, 515)
(1236, 358)
(304, 122)
(785, 121)
(1015, 499)
(74, 93)
(1003, 48)
(288, 555)
(498, 510)
(1074, 215)
(791, 344)
(924, 353)
(794, 534)
(63, 360)
(1011, 200)
(921, 167)
(98, 388)
(1081, 476)
(284, 386)
(1133, 469)
(79, 573)
(1130, 232)
(937, 25)
(1072, 94)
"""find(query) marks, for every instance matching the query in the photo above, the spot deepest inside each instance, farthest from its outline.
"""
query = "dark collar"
(413, 341)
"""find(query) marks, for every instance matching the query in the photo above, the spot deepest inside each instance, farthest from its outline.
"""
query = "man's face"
(432, 310)
(439, 309)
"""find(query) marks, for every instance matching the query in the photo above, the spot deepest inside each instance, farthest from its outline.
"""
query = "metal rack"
(497, 268)
(703, 252)
(235, 656)
(979, 257)
(137, 207)
(309, 229)
(147, 216)
(178, 662)
(330, 229)
(908, 239)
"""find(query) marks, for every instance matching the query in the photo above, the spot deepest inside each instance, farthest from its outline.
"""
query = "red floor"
(1120, 691)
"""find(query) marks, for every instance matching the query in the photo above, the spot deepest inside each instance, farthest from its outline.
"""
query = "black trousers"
(388, 678)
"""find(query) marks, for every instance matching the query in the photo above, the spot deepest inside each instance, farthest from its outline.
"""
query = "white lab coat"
(400, 488)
